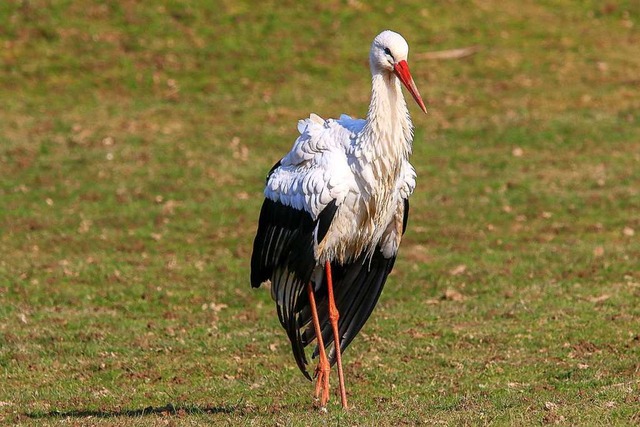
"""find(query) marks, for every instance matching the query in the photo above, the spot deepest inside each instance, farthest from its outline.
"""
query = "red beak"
(401, 70)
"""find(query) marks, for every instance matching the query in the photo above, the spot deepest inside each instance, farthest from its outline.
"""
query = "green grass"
(134, 141)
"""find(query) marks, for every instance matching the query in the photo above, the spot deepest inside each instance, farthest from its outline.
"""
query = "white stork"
(335, 209)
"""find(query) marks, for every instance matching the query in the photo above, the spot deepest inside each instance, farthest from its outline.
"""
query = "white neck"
(388, 132)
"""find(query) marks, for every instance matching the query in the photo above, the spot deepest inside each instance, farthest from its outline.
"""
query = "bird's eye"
(388, 51)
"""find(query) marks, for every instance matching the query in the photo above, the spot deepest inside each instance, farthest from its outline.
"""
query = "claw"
(322, 370)
(322, 382)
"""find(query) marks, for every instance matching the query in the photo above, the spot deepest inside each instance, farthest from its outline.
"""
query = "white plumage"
(339, 200)
(339, 160)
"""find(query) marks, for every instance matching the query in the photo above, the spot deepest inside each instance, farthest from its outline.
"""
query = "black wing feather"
(405, 215)
(283, 252)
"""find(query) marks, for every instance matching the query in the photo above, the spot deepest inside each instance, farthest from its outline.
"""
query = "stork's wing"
(283, 252)
(303, 192)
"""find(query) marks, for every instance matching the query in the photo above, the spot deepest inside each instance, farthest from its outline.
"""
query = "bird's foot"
(321, 394)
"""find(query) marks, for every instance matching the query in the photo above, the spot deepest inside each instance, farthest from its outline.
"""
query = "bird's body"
(338, 161)
(337, 205)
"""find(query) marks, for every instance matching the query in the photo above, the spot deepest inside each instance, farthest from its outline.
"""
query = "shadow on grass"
(168, 409)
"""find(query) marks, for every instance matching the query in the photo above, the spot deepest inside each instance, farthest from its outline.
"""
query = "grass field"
(134, 141)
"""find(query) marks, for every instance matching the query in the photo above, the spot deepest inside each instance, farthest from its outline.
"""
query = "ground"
(134, 142)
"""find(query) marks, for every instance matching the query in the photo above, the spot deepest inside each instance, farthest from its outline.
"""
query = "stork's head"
(388, 54)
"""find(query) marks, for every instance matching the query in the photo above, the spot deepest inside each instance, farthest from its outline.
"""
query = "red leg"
(323, 368)
(333, 317)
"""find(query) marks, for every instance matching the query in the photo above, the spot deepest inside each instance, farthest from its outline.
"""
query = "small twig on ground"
(460, 53)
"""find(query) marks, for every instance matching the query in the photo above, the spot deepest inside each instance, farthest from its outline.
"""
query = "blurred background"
(134, 142)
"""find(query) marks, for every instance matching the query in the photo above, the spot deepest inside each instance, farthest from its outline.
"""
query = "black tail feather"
(357, 288)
